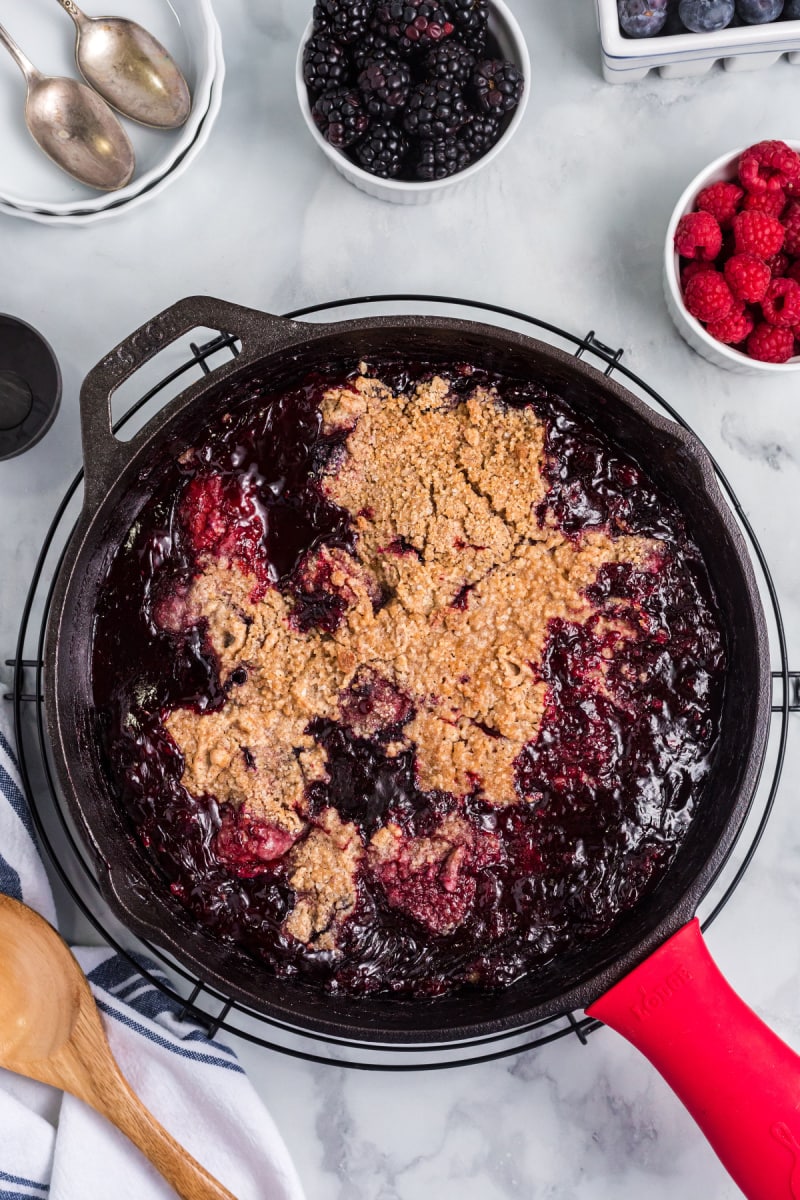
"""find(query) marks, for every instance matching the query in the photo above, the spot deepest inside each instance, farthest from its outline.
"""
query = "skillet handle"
(103, 455)
(739, 1081)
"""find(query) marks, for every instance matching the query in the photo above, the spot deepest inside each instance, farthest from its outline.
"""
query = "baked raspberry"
(748, 277)
(708, 296)
(246, 844)
(722, 200)
(778, 265)
(734, 328)
(699, 236)
(758, 234)
(768, 166)
(690, 269)
(770, 343)
(771, 203)
(781, 305)
(791, 225)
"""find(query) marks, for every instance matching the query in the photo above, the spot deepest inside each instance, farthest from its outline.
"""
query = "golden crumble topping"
(447, 606)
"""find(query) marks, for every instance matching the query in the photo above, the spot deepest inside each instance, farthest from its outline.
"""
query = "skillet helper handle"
(103, 454)
(739, 1081)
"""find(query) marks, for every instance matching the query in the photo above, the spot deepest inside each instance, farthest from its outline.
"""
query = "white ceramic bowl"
(503, 24)
(118, 207)
(28, 180)
(723, 169)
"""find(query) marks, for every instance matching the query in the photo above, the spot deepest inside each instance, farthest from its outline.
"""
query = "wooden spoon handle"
(108, 1092)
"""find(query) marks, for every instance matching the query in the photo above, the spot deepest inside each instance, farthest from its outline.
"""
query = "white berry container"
(741, 48)
(723, 170)
(505, 28)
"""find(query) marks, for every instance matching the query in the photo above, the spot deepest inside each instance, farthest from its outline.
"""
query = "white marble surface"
(569, 224)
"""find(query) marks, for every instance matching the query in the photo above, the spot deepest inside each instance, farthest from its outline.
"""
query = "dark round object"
(345, 20)
(120, 478)
(706, 16)
(435, 110)
(413, 24)
(642, 18)
(340, 116)
(30, 387)
(385, 84)
(371, 45)
(324, 64)
(450, 60)
(479, 135)
(382, 151)
(758, 12)
(498, 86)
(440, 159)
(471, 19)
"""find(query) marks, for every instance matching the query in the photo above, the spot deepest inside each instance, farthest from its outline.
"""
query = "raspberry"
(771, 203)
(748, 277)
(791, 224)
(699, 236)
(768, 343)
(778, 265)
(758, 234)
(768, 166)
(708, 296)
(781, 305)
(734, 328)
(690, 269)
(722, 200)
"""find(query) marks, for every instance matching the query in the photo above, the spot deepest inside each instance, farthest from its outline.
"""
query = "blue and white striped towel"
(53, 1146)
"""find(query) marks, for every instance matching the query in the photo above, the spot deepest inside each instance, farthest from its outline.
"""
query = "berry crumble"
(407, 681)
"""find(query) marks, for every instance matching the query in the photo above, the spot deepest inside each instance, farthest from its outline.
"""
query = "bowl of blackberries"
(408, 97)
(653, 18)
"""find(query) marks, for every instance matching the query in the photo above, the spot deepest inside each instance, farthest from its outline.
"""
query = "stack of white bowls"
(31, 186)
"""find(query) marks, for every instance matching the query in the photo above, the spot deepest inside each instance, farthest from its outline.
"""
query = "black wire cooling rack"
(206, 1004)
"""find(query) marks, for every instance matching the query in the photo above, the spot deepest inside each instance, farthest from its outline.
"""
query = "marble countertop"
(569, 224)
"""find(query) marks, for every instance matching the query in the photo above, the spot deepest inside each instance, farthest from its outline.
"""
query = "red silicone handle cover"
(739, 1081)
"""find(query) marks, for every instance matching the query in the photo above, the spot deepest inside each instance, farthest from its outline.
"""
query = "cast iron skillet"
(647, 975)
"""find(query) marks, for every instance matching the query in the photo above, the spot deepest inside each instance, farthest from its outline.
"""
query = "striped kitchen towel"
(53, 1146)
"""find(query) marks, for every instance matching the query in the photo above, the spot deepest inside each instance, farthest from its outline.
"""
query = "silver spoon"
(130, 69)
(74, 126)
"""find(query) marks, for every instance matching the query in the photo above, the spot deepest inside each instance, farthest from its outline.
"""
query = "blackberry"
(385, 84)
(479, 135)
(340, 116)
(440, 158)
(759, 12)
(498, 85)
(344, 20)
(706, 16)
(471, 19)
(324, 64)
(450, 60)
(382, 151)
(642, 18)
(435, 110)
(413, 24)
(371, 45)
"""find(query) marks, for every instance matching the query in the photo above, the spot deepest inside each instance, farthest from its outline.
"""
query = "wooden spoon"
(50, 1030)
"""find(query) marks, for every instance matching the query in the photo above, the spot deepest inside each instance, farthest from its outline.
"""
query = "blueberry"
(758, 12)
(791, 10)
(642, 18)
(706, 16)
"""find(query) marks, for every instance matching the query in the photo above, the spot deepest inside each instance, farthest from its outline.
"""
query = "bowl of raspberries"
(732, 260)
(408, 97)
